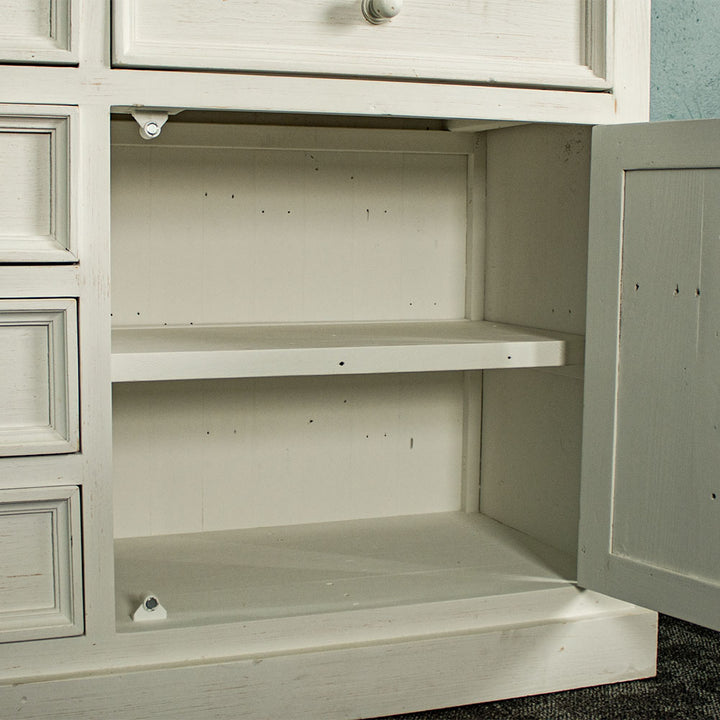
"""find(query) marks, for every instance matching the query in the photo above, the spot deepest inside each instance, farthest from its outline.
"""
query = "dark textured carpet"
(687, 686)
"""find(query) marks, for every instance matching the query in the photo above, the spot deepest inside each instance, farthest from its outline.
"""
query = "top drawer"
(560, 43)
(39, 31)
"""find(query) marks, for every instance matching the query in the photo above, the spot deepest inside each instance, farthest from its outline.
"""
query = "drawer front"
(38, 31)
(40, 563)
(36, 218)
(559, 43)
(39, 410)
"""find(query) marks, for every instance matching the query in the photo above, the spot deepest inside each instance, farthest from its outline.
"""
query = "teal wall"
(685, 69)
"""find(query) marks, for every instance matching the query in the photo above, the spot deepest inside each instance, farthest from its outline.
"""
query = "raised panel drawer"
(560, 43)
(40, 563)
(38, 377)
(38, 31)
(37, 220)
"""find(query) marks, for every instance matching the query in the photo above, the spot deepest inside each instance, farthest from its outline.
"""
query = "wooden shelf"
(184, 353)
(357, 565)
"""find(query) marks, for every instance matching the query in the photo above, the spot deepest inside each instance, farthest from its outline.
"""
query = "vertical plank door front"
(650, 501)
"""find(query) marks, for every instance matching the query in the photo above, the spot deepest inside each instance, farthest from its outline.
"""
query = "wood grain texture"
(39, 31)
(376, 679)
(211, 455)
(553, 42)
(349, 566)
(37, 202)
(141, 354)
(41, 563)
(306, 227)
(39, 386)
(651, 416)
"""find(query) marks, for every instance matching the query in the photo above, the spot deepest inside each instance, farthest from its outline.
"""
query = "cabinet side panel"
(532, 432)
(538, 181)
(537, 207)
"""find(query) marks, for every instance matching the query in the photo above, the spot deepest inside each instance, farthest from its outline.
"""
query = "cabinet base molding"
(360, 680)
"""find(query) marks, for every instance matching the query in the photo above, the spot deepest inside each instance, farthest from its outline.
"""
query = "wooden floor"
(230, 576)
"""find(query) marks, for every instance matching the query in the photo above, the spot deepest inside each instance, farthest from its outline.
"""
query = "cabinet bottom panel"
(346, 567)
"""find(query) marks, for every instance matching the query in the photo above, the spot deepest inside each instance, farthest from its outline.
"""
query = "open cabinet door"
(650, 503)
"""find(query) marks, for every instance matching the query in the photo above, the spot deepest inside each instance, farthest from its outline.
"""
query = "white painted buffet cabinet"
(296, 391)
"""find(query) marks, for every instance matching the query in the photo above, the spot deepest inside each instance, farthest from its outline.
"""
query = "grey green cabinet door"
(650, 504)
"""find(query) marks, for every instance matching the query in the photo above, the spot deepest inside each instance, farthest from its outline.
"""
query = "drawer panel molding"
(39, 404)
(39, 31)
(554, 43)
(40, 563)
(36, 189)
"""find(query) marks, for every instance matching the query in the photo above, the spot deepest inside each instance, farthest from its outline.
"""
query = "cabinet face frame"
(59, 127)
(56, 321)
(620, 423)
(58, 46)
(59, 612)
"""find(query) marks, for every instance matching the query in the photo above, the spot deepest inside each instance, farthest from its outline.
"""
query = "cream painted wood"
(536, 238)
(39, 31)
(307, 221)
(417, 672)
(561, 43)
(532, 431)
(314, 95)
(37, 202)
(245, 453)
(40, 563)
(206, 578)
(650, 510)
(446, 646)
(39, 383)
(173, 353)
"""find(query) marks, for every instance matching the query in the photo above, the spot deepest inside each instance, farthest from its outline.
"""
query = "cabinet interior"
(347, 365)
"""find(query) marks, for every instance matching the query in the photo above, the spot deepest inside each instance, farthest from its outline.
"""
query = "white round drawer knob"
(380, 11)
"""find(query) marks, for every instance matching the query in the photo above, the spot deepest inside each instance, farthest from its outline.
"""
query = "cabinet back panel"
(215, 455)
(228, 235)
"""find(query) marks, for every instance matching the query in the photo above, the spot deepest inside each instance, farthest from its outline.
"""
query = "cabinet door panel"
(650, 523)
(536, 42)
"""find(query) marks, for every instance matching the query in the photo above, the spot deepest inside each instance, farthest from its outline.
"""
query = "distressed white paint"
(279, 572)
(39, 383)
(551, 42)
(365, 679)
(39, 31)
(40, 563)
(211, 455)
(651, 515)
(403, 657)
(307, 225)
(186, 353)
(37, 221)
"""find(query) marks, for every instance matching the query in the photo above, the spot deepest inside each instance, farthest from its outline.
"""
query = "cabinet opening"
(322, 337)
